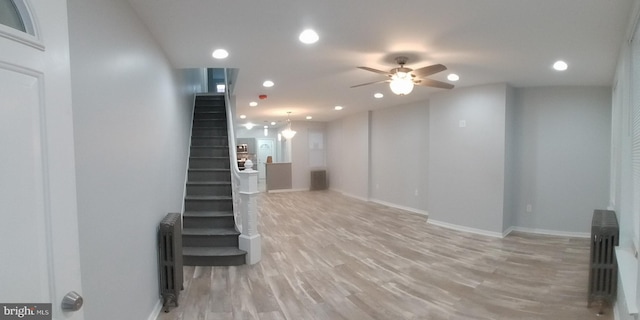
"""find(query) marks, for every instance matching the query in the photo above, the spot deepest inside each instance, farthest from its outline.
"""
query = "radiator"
(170, 259)
(318, 180)
(603, 272)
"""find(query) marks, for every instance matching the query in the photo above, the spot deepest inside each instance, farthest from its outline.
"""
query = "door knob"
(72, 301)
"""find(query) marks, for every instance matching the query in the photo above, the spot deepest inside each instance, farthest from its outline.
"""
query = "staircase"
(209, 236)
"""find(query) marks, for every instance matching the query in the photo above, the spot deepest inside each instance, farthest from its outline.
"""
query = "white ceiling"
(488, 41)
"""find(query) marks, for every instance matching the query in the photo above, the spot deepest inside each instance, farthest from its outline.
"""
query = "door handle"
(72, 301)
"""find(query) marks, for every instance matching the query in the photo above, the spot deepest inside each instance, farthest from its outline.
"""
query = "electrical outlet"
(415, 192)
(529, 208)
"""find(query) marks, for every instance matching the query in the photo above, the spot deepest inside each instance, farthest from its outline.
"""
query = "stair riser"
(208, 205)
(210, 241)
(209, 190)
(210, 141)
(214, 261)
(202, 109)
(214, 115)
(209, 176)
(209, 152)
(209, 132)
(208, 163)
(210, 123)
(208, 222)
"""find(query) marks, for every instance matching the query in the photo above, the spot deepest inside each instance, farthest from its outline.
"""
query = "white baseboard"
(465, 229)
(354, 196)
(553, 232)
(286, 190)
(156, 310)
(506, 232)
(396, 206)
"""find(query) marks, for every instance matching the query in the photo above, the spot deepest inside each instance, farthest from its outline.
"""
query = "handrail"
(235, 170)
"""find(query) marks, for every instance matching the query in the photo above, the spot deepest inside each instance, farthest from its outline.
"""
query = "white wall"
(300, 167)
(400, 156)
(348, 155)
(466, 164)
(563, 142)
(510, 172)
(132, 114)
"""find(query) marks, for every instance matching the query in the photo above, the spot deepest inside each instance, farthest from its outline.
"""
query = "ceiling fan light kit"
(402, 80)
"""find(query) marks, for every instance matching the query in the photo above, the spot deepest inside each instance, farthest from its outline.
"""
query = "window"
(10, 15)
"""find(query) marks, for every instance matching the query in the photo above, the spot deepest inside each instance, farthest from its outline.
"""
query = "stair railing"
(244, 185)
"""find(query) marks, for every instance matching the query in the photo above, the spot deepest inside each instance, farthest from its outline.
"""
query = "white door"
(265, 149)
(38, 222)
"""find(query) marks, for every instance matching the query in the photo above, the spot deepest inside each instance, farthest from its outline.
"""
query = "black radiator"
(603, 272)
(170, 259)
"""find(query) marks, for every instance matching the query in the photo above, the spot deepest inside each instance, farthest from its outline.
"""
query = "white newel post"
(250, 240)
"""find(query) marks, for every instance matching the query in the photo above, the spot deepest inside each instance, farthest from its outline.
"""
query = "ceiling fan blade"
(374, 70)
(368, 83)
(434, 83)
(429, 70)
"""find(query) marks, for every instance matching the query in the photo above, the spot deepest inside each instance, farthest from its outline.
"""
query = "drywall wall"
(510, 157)
(348, 155)
(400, 156)
(132, 114)
(563, 139)
(466, 157)
(300, 167)
(335, 175)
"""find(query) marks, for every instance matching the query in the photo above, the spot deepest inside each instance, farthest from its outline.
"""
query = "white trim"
(616, 314)
(354, 196)
(21, 37)
(553, 232)
(156, 310)
(405, 208)
(507, 231)
(186, 171)
(465, 229)
(628, 273)
(286, 190)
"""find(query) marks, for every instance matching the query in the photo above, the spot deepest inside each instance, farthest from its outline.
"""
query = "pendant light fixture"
(288, 133)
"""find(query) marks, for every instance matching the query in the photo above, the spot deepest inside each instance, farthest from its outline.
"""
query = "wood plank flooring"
(327, 256)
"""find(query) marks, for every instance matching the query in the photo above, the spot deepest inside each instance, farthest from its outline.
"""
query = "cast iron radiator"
(603, 271)
(170, 259)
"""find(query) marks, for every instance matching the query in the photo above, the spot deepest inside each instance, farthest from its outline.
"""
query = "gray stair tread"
(212, 251)
(209, 232)
(225, 158)
(208, 214)
(210, 147)
(208, 198)
(207, 183)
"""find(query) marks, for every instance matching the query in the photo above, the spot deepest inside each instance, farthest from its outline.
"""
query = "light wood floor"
(326, 256)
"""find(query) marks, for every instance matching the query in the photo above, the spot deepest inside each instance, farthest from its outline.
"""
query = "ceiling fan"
(401, 80)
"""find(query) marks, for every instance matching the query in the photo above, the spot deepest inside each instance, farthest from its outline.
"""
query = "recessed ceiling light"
(453, 77)
(253, 104)
(242, 116)
(220, 54)
(268, 84)
(249, 125)
(378, 95)
(266, 127)
(560, 65)
(337, 107)
(308, 36)
(273, 123)
(309, 117)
